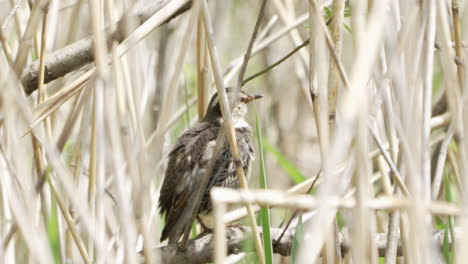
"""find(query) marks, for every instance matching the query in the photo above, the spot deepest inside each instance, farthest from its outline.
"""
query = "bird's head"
(213, 113)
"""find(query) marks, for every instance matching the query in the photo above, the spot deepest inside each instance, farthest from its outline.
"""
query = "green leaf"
(339, 220)
(295, 175)
(348, 11)
(348, 28)
(194, 229)
(453, 146)
(328, 13)
(265, 211)
(297, 240)
(440, 225)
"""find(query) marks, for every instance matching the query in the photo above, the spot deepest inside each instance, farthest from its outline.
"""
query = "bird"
(188, 160)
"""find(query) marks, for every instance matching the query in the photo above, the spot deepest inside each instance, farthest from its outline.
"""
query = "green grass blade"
(295, 175)
(297, 240)
(446, 247)
(53, 228)
(265, 211)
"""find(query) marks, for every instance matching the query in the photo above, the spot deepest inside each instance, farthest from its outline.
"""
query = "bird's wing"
(182, 176)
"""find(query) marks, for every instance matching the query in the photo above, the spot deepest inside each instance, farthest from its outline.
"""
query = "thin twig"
(278, 62)
(200, 249)
(245, 61)
(395, 173)
(437, 180)
(286, 227)
(330, 45)
(79, 53)
(55, 101)
(202, 76)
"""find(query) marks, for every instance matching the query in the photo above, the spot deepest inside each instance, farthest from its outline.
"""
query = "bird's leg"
(206, 229)
(234, 226)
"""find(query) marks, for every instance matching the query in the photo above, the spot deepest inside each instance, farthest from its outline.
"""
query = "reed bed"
(360, 143)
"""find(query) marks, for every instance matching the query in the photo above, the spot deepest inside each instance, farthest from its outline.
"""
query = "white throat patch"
(240, 123)
(238, 114)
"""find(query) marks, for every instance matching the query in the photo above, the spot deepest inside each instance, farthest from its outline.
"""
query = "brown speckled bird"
(189, 159)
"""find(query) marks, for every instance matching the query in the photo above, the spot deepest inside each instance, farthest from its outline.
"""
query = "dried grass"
(372, 110)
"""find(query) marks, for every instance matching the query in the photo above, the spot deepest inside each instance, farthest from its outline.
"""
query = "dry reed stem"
(228, 124)
(59, 98)
(457, 40)
(248, 53)
(318, 79)
(427, 100)
(303, 187)
(349, 112)
(6, 47)
(71, 224)
(306, 202)
(398, 89)
(395, 173)
(21, 213)
(438, 176)
(234, 67)
(122, 196)
(220, 250)
(330, 45)
(338, 8)
(300, 62)
(79, 53)
(25, 45)
(262, 45)
(202, 72)
(201, 248)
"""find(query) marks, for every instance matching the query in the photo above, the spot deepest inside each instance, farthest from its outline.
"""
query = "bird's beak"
(252, 97)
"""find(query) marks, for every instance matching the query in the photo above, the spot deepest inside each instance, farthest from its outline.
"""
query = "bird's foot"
(235, 226)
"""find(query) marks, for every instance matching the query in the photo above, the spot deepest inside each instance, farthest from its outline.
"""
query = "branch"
(200, 250)
(80, 53)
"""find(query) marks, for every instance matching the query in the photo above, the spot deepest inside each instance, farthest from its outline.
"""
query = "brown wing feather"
(182, 175)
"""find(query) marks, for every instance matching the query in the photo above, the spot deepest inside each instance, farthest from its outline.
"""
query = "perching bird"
(189, 159)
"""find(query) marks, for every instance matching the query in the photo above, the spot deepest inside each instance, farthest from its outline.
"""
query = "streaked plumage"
(189, 158)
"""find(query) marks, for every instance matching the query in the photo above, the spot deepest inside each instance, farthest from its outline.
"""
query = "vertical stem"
(70, 222)
(38, 157)
(201, 69)
(220, 232)
(427, 101)
(319, 94)
(317, 82)
(338, 7)
(228, 123)
(457, 38)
